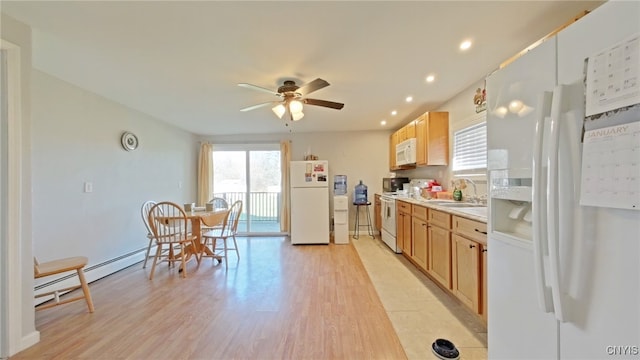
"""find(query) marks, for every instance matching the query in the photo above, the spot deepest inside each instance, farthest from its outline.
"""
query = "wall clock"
(129, 141)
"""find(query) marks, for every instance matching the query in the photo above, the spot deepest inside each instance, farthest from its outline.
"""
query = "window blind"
(470, 148)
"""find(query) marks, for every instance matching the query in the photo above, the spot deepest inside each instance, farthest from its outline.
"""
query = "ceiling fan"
(292, 97)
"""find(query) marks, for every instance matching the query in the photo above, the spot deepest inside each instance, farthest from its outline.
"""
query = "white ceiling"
(181, 61)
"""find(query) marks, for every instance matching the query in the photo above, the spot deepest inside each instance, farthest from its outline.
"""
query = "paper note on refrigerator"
(611, 167)
(613, 77)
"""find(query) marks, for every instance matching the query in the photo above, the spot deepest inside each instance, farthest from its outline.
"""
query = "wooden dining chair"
(144, 211)
(228, 230)
(218, 204)
(169, 226)
(60, 266)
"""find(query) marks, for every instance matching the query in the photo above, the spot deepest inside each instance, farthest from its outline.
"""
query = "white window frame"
(470, 122)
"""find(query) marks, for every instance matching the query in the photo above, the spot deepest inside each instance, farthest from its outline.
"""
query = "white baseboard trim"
(92, 273)
(29, 340)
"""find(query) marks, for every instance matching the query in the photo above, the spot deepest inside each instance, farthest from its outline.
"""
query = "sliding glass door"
(250, 173)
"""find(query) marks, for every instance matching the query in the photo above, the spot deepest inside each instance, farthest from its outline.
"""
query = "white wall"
(17, 319)
(362, 155)
(76, 139)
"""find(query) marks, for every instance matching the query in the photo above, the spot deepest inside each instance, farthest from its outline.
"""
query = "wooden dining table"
(207, 218)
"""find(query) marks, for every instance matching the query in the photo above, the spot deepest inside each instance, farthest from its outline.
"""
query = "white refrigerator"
(309, 181)
(563, 276)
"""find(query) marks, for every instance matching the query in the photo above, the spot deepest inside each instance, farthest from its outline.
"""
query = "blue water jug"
(340, 184)
(360, 195)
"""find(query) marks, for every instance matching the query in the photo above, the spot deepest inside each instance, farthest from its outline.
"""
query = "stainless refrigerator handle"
(543, 292)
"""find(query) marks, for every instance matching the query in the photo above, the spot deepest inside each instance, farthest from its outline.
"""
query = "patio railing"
(263, 205)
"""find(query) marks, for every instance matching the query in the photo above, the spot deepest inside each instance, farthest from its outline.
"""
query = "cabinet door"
(411, 130)
(407, 243)
(440, 255)
(402, 134)
(399, 229)
(377, 208)
(432, 139)
(421, 145)
(419, 240)
(393, 140)
(483, 250)
(466, 271)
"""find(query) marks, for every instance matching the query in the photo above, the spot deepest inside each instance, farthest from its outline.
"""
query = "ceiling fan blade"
(312, 86)
(248, 108)
(255, 87)
(325, 103)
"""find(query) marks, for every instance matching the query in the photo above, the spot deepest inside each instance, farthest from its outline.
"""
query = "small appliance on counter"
(393, 184)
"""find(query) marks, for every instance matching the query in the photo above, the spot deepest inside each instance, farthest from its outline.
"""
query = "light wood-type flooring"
(279, 302)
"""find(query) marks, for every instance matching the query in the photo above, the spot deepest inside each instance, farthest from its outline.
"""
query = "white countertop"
(478, 213)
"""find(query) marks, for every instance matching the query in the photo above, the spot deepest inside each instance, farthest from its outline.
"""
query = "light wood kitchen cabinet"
(377, 207)
(483, 251)
(410, 130)
(432, 138)
(466, 271)
(402, 135)
(468, 275)
(403, 227)
(419, 236)
(393, 140)
(439, 247)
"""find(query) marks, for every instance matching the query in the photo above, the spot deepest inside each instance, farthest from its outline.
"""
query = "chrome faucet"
(475, 198)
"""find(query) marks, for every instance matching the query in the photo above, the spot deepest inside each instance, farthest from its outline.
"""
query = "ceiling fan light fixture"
(279, 110)
(295, 106)
(297, 115)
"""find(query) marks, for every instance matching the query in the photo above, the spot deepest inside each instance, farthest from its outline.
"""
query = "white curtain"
(285, 157)
(205, 174)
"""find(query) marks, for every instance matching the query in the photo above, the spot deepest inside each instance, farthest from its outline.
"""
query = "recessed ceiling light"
(430, 78)
(465, 45)
(383, 122)
(394, 113)
(409, 99)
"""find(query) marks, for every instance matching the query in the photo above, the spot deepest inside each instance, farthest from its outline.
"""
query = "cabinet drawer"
(403, 207)
(439, 218)
(420, 212)
(474, 230)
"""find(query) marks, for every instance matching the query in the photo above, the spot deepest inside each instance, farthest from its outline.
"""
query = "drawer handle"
(481, 232)
(484, 250)
(471, 246)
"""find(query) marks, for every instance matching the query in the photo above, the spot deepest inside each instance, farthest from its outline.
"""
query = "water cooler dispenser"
(341, 219)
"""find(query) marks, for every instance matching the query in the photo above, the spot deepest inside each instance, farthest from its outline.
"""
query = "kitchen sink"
(460, 205)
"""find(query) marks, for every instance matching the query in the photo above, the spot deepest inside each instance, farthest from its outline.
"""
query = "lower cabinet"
(377, 209)
(420, 242)
(440, 255)
(483, 250)
(470, 263)
(466, 271)
(403, 227)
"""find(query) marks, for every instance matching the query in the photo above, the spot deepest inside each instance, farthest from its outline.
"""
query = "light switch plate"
(88, 187)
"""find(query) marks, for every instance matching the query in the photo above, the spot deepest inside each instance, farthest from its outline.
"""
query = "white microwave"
(406, 152)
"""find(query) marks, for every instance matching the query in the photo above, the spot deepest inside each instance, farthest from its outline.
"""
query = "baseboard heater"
(92, 273)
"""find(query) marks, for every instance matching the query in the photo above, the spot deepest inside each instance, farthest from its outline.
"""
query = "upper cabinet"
(431, 131)
(432, 139)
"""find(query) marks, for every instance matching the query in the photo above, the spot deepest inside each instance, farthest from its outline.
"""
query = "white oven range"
(388, 209)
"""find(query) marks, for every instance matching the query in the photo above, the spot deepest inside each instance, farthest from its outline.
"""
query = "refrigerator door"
(310, 215)
(517, 326)
(305, 174)
(512, 96)
(604, 317)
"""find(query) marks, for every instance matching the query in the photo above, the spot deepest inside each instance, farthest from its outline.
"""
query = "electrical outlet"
(88, 187)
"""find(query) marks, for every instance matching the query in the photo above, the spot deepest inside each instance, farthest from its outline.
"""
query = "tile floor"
(419, 310)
